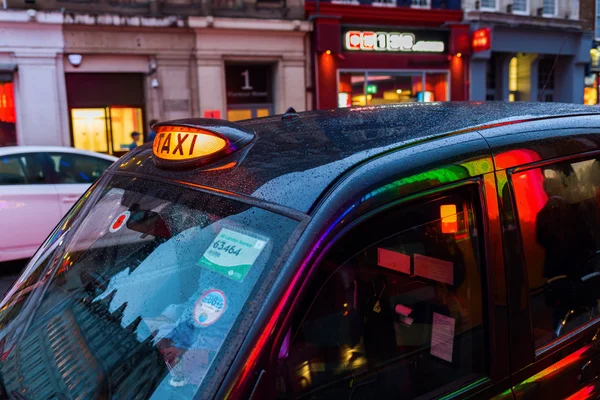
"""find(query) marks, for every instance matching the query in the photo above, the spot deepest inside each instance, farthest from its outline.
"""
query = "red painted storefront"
(333, 64)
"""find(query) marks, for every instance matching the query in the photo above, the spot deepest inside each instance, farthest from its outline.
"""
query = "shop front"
(368, 63)
(104, 109)
(528, 63)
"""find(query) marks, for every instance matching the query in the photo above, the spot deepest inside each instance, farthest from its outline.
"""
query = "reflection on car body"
(422, 251)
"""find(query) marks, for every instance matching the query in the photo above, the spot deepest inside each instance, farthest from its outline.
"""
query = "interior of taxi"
(394, 310)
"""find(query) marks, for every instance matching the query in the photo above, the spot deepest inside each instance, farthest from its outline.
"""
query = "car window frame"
(54, 174)
(583, 333)
(483, 383)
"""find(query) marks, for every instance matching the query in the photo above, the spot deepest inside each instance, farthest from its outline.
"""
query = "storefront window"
(91, 128)
(513, 70)
(8, 131)
(373, 88)
(590, 91)
(351, 90)
(124, 121)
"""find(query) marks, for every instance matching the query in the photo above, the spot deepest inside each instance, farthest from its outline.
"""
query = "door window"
(76, 168)
(395, 310)
(23, 169)
(124, 121)
(559, 221)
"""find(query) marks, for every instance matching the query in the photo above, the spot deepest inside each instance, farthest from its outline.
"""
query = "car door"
(29, 207)
(74, 173)
(552, 237)
(399, 307)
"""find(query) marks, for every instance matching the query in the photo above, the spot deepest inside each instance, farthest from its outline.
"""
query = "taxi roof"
(292, 161)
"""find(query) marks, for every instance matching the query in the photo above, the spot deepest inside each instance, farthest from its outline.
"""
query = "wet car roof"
(294, 160)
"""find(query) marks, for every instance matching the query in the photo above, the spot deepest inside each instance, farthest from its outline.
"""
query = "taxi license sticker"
(120, 221)
(232, 254)
(210, 307)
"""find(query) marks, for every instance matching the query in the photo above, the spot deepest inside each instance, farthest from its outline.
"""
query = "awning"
(7, 71)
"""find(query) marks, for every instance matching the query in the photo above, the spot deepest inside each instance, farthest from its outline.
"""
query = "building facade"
(539, 50)
(88, 80)
(381, 52)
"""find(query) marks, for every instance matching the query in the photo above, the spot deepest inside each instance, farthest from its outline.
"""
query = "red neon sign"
(482, 40)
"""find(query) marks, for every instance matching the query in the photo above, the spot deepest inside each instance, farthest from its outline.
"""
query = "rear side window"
(76, 168)
(20, 169)
(559, 217)
(395, 310)
(12, 171)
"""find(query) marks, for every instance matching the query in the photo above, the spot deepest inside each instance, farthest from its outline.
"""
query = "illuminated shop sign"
(396, 42)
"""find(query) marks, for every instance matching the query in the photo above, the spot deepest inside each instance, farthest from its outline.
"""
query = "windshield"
(139, 295)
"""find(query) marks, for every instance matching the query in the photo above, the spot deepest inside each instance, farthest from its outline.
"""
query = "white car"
(38, 186)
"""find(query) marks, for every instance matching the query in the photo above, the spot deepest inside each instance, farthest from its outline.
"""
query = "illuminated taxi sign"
(398, 42)
(181, 143)
(196, 142)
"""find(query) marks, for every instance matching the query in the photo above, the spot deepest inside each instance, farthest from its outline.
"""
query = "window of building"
(549, 9)
(395, 310)
(558, 209)
(491, 79)
(372, 88)
(75, 168)
(590, 91)
(8, 120)
(420, 3)
(513, 73)
(597, 20)
(488, 4)
(384, 3)
(520, 6)
(546, 79)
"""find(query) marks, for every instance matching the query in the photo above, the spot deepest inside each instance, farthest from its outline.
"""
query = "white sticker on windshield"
(442, 337)
(232, 254)
(209, 307)
(434, 269)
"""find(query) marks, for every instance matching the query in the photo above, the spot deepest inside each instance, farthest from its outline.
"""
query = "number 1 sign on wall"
(246, 75)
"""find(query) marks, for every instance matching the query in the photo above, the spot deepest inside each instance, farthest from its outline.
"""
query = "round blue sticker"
(209, 307)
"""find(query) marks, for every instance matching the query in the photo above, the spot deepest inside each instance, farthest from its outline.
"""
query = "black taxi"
(432, 250)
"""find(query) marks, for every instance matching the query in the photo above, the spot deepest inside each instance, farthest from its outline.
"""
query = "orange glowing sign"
(482, 40)
(449, 218)
(176, 143)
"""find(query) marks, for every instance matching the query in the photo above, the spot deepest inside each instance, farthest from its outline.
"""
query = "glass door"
(124, 121)
(90, 129)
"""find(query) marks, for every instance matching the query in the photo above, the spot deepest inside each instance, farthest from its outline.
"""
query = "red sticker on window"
(393, 260)
(120, 221)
